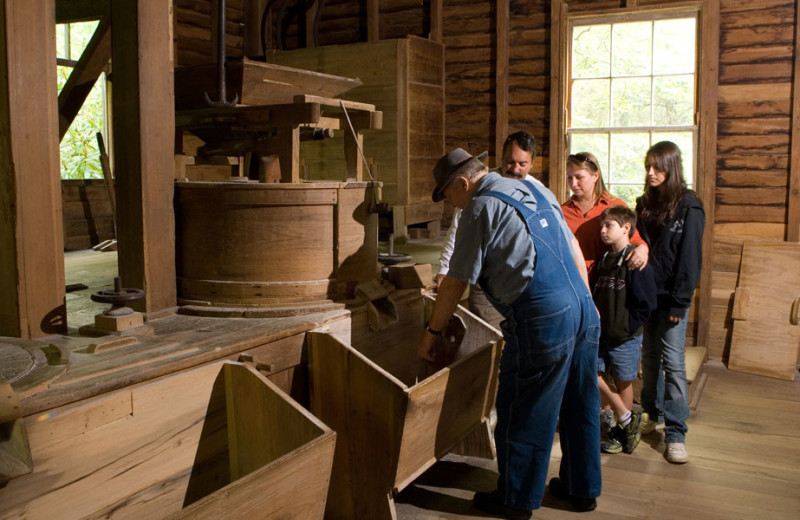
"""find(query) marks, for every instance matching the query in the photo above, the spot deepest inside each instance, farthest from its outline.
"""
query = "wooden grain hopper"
(215, 442)
(279, 246)
(393, 415)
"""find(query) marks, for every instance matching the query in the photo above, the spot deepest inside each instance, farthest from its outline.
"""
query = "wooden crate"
(404, 78)
(393, 415)
(215, 442)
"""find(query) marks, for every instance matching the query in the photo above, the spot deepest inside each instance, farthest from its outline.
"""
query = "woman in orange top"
(582, 212)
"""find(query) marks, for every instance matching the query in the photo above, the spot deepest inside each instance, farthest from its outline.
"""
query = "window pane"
(79, 36)
(591, 51)
(627, 193)
(631, 48)
(673, 100)
(596, 144)
(674, 46)
(627, 157)
(630, 98)
(590, 103)
(685, 143)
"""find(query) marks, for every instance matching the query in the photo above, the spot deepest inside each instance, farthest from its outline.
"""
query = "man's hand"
(426, 349)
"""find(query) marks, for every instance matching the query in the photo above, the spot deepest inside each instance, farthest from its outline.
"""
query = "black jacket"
(676, 252)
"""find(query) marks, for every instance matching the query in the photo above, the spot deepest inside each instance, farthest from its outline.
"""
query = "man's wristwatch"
(432, 331)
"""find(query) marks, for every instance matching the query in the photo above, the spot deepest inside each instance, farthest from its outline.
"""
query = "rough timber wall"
(192, 30)
(753, 154)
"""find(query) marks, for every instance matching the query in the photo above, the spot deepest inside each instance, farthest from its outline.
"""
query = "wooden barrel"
(274, 245)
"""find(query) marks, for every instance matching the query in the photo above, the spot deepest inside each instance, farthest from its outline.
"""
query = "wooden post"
(437, 20)
(144, 131)
(32, 292)
(558, 56)
(373, 21)
(253, 11)
(311, 17)
(501, 79)
(793, 202)
(707, 156)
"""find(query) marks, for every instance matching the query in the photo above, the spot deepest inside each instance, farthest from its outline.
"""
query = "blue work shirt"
(493, 246)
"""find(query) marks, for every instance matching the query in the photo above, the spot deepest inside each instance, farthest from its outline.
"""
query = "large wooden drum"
(273, 245)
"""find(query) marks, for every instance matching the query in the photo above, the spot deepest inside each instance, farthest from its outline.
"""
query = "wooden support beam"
(253, 11)
(793, 202)
(83, 77)
(32, 287)
(311, 27)
(144, 131)
(70, 11)
(707, 155)
(558, 142)
(437, 20)
(373, 21)
(501, 78)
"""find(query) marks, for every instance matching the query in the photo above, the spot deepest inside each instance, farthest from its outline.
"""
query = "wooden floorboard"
(744, 449)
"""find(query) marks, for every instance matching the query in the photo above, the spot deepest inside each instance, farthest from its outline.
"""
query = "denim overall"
(548, 371)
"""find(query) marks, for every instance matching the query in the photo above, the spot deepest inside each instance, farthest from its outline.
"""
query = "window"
(80, 157)
(632, 84)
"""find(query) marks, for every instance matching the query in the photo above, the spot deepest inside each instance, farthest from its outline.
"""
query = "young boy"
(624, 297)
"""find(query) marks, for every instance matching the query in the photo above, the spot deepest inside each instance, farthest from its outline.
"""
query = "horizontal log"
(469, 70)
(745, 161)
(778, 70)
(517, 82)
(529, 37)
(775, 15)
(757, 35)
(733, 6)
(751, 196)
(747, 213)
(767, 144)
(468, 41)
(756, 54)
(537, 20)
(752, 178)
(741, 231)
(755, 126)
(755, 100)
(525, 50)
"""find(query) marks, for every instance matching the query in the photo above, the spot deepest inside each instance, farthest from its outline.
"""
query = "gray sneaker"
(609, 441)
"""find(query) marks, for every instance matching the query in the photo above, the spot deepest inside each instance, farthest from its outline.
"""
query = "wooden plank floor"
(744, 449)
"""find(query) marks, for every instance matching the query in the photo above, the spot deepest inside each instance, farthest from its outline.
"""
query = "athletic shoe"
(559, 491)
(608, 440)
(676, 453)
(491, 503)
(632, 433)
(649, 427)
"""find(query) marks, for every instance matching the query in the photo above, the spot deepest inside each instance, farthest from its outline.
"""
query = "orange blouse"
(586, 229)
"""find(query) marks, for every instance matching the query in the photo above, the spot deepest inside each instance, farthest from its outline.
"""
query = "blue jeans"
(621, 360)
(664, 390)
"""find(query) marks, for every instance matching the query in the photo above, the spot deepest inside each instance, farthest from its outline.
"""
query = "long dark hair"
(659, 203)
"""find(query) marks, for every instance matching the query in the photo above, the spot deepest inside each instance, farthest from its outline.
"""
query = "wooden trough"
(215, 442)
(393, 415)
(274, 246)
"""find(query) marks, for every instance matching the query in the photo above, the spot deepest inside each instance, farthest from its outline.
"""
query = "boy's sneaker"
(632, 433)
(676, 453)
(491, 503)
(608, 440)
(649, 427)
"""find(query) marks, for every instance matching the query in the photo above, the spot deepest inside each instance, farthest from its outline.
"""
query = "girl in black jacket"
(671, 220)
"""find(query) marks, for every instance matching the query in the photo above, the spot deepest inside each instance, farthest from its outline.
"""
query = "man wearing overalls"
(514, 243)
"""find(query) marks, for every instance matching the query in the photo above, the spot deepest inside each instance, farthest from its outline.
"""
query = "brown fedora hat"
(449, 166)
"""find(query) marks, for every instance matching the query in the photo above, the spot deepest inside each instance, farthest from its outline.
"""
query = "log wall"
(87, 213)
(756, 67)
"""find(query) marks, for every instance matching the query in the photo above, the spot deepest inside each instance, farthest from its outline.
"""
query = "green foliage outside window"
(80, 157)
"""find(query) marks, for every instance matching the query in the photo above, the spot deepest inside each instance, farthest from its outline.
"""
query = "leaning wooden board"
(766, 333)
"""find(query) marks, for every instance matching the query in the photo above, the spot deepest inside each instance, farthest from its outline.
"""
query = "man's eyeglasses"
(579, 157)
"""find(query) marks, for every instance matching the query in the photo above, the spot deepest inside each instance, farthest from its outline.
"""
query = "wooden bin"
(215, 442)
(392, 421)
(273, 245)
(404, 78)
